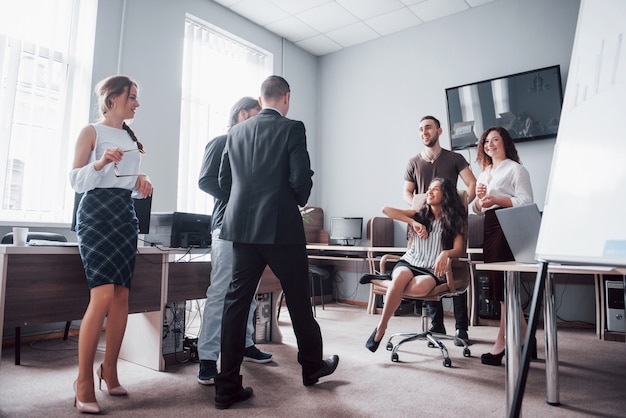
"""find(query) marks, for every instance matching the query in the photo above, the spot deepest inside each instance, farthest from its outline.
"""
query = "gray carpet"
(366, 384)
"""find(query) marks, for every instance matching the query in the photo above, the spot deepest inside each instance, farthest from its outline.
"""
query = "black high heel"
(367, 278)
(492, 359)
(371, 344)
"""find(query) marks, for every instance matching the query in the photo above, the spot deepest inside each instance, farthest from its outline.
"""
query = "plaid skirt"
(107, 229)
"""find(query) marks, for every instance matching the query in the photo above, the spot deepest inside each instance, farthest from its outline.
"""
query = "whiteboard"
(584, 219)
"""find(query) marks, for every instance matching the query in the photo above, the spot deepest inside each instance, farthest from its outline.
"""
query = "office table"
(512, 272)
(43, 284)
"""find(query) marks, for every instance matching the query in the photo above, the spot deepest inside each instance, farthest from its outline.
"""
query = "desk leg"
(3, 286)
(552, 356)
(143, 340)
(275, 335)
(513, 338)
(600, 312)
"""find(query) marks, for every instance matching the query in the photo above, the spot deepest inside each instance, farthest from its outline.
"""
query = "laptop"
(520, 225)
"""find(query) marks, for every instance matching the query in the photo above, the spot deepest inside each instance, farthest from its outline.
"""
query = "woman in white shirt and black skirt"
(106, 171)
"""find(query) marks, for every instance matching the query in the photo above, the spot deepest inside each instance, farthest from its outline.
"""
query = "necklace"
(430, 158)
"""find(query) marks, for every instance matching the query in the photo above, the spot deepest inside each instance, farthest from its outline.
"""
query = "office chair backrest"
(48, 236)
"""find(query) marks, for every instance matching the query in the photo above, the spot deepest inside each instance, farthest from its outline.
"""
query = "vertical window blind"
(44, 99)
(218, 69)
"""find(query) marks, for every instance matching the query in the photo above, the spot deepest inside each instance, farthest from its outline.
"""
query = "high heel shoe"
(492, 359)
(367, 278)
(85, 407)
(371, 344)
(116, 391)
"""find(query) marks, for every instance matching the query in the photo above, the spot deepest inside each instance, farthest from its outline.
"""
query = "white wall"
(150, 51)
(371, 97)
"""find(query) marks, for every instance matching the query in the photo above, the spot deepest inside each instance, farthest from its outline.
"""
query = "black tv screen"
(527, 104)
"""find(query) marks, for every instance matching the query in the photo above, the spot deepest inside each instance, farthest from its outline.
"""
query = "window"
(218, 69)
(44, 101)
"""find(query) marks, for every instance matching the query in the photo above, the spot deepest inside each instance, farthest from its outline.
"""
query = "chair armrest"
(387, 258)
(450, 277)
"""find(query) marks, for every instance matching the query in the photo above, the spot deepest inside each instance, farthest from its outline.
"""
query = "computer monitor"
(142, 209)
(346, 230)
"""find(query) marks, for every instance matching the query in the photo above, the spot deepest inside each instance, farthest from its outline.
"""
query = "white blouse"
(88, 178)
(510, 180)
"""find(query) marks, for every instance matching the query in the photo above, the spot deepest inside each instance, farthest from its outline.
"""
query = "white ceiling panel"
(327, 17)
(393, 22)
(325, 26)
(365, 9)
(262, 12)
(299, 6)
(476, 3)
(432, 10)
(353, 34)
(319, 45)
(292, 28)
(227, 3)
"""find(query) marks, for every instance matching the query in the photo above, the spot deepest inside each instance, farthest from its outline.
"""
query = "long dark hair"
(453, 213)
(509, 147)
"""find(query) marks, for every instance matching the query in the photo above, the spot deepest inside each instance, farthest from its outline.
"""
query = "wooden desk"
(513, 327)
(47, 284)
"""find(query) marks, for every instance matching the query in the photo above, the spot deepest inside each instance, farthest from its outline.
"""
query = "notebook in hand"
(520, 225)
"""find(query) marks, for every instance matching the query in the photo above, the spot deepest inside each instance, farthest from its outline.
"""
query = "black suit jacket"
(267, 169)
(208, 181)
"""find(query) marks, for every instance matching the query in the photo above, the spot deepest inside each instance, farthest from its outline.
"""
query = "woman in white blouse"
(106, 171)
(503, 183)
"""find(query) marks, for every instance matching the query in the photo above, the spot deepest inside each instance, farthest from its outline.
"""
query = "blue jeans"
(209, 340)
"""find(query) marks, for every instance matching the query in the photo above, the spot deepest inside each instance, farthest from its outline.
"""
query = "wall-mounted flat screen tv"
(527, 104)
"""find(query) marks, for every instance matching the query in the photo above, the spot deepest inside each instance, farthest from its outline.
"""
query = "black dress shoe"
(371, 344)
(492, 359)
(328, 367)
(462, 334)
(437, 329)
(226, 401)
(367, 278)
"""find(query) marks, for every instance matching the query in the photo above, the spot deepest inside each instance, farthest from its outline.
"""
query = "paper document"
(38, 242)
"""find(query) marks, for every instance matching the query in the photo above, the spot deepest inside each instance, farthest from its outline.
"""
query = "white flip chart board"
(584, 219)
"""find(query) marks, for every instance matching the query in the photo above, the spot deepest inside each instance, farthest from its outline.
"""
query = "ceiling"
(325, 26)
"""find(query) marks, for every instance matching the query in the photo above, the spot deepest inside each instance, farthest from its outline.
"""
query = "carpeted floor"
(365, 384)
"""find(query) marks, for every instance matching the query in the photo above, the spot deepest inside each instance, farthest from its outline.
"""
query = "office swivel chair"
(457, 283)
(48, 236)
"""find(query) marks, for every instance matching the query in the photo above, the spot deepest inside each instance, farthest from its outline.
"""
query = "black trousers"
(460, 311)
(290, 265)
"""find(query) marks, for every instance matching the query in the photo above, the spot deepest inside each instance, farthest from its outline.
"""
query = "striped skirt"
(107, 229)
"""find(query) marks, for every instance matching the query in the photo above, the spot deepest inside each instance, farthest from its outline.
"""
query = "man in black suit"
(267, 170)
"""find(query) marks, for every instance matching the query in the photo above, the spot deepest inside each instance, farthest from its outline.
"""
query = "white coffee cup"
(20, 235)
